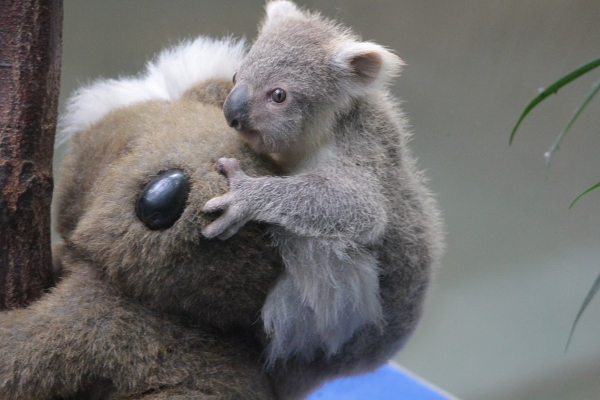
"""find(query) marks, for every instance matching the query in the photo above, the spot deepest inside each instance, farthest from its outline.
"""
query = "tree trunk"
(30, 55)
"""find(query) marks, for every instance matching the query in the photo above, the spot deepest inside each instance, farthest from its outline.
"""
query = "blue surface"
(387, 383)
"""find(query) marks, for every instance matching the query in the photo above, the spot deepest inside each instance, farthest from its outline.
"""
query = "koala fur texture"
(356, 228)
(155, 310)
(141, 313)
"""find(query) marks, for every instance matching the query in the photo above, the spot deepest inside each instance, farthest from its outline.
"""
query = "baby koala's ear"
(368, 66)
(279, 10)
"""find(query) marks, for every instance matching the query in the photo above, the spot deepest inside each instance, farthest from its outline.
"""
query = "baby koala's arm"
(324, 202)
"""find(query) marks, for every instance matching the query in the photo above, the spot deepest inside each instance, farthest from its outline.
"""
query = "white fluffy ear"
(368, 65)
(279, 10)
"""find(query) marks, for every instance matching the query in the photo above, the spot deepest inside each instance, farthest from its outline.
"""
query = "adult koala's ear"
(279, 10)
(366, 66)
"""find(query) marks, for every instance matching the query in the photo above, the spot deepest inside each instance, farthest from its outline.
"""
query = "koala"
(355, 225)
(148, 308)
(331, 234)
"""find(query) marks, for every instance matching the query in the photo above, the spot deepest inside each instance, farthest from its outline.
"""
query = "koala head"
(130, 197)
(300, 73)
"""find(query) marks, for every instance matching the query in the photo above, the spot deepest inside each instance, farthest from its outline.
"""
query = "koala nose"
(236, 107)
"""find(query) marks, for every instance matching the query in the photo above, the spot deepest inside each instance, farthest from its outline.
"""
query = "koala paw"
(235, 207)
(230, 168)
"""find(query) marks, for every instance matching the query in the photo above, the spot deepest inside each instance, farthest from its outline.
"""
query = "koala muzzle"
(236, 108)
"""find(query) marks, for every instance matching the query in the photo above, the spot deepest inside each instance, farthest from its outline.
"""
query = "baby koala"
(356, 228)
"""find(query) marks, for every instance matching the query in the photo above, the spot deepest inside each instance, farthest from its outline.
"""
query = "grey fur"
(351, 214)
(145, 314)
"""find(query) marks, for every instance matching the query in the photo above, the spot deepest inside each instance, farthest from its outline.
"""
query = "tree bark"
(30, 56)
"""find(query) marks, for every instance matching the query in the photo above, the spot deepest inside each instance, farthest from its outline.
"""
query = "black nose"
(236, 108)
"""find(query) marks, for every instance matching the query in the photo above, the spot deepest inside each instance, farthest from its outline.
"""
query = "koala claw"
(229, 232)
(235, 209)
(226, 225)
(230, 167)
(216, 204)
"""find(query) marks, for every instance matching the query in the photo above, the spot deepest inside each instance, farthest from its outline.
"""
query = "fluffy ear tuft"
(369, 65)
(278, 10)
(168, 77)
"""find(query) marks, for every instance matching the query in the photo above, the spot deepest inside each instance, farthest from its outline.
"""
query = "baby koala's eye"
(233, 79)
(278, 95)
(163, 199)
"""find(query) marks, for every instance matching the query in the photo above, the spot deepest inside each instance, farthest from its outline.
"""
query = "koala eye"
(278, 95)
(233, 79)
(163, 199)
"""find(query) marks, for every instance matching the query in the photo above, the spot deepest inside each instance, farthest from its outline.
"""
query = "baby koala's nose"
(236, 107)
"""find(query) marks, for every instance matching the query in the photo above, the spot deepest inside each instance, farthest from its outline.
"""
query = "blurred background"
(518, 263)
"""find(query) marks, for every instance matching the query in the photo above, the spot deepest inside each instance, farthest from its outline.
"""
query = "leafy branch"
(552, 89)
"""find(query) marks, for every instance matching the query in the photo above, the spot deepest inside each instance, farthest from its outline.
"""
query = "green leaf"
(553, 88)
(596, 186)
(548, 155)
(587, 300)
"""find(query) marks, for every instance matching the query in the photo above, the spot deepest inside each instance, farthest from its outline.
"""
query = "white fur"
(329, 289)
(390, 67)
(167, 77)
(279, 10)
